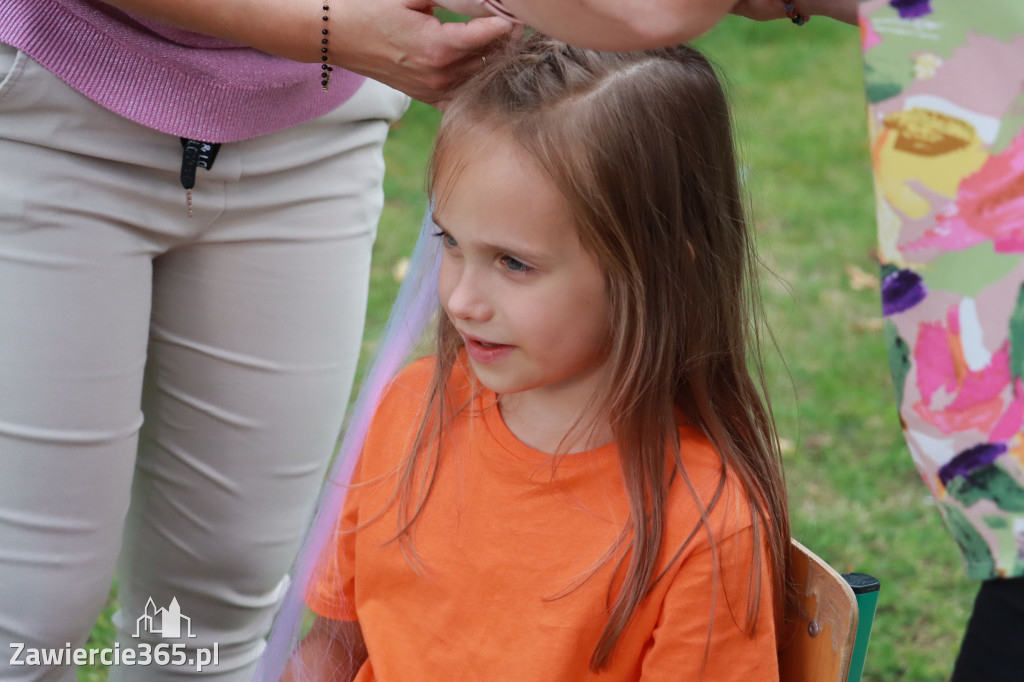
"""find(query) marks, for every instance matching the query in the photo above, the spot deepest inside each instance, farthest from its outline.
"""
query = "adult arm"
(641, 24)
(765, 10)
(333, 651)
(397, 42)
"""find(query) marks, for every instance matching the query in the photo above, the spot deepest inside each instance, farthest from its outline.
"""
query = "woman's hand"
(760, 10)
(469, 8)
(400, 43)
(766, 10)
(397, 42)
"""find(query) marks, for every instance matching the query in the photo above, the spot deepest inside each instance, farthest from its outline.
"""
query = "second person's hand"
(402, 44)
(767, 10)
(397, 42)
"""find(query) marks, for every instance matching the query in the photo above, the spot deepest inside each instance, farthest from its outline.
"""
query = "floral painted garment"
(945, 86)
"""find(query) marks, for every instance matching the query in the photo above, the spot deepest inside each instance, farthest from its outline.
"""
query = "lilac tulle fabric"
(412, 313)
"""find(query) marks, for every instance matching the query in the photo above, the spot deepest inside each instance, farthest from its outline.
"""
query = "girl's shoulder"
(705, 484)
(698, 456)
(404, 400)
(416, 378)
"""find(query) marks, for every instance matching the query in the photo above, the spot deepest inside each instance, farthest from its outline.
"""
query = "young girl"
(583, 483)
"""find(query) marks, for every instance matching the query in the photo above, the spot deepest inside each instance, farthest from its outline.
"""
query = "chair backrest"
(819, 641)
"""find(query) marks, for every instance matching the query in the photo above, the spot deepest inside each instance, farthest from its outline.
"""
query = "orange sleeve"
(331, 591)
(680, 640)
(332, 586)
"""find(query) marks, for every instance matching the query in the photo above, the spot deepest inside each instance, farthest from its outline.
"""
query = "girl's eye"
(447, 241)
(515, 265)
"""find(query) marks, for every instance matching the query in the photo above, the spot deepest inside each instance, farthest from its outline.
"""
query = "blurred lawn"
(855, 496)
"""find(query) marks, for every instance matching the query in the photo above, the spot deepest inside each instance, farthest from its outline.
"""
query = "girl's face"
(530, 303)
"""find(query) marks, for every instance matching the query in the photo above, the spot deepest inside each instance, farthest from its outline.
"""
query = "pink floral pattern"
(989, 206)
(945, 86)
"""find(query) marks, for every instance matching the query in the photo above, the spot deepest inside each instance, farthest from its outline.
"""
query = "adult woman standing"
(184, 205)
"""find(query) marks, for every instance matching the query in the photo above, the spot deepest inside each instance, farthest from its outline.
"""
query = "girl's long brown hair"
(640, 144)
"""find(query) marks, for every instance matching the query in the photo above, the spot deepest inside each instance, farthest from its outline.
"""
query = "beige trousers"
(170, 388)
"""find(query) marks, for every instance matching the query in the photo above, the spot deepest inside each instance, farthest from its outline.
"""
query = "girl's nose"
(468, 299)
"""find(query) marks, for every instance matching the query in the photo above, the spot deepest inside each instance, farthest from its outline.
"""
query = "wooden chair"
(827, 637)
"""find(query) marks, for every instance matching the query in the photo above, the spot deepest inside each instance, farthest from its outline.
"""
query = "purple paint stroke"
(902, 290)
(911, 9)
(414, 308)
(970, 460)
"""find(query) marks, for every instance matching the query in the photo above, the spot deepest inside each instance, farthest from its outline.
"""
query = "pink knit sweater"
(175, 81)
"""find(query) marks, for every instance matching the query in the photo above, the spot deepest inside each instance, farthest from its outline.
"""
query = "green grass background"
(855, 496)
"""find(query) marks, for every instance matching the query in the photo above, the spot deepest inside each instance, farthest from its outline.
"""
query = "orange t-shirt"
(509, 543)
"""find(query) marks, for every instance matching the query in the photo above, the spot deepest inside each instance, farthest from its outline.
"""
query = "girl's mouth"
(485, 352)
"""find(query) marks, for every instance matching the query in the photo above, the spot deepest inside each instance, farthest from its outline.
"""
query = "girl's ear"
(693, 252)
